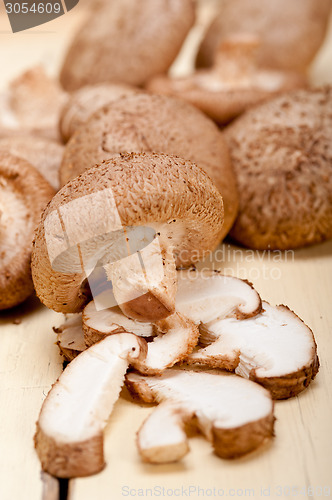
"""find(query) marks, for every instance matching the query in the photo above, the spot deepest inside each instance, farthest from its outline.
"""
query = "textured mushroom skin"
(70, 460)
(174, 190)
(154, 123)
(233, 443)
(15, 278)
(83, 103)
(127, 42)
(292, 32)
(282, 157)
(45, 155)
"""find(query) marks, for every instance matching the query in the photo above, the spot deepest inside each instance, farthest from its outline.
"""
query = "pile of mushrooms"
(175, 330)
(149, 186)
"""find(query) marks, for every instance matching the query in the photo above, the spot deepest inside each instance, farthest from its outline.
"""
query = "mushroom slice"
(172, 339)
(208, 296)
(24, 193)
(69, 437)
(70, 337)
(236, 415)
(276, 349)
(162, 438)
(178, 337)
(99, 324)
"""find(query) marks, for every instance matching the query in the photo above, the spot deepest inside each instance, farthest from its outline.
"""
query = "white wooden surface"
(300, 454)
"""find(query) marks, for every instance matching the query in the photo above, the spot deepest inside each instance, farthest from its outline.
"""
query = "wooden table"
(298, 457)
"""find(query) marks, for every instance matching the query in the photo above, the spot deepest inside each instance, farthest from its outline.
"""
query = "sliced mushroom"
(236, 415)
(207, 296)
(149, 123)
(69, 437)
(83, 103)
(291, 31)
(99, 324)
(32, 105)
(127, 42)
(70, 337)
(45, 155)
(275, 348)
(177, 339)
(233, 84)
(24, 193)
(88, 220)
(170, 340)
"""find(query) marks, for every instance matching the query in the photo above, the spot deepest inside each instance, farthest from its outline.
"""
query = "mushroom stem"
(144, 283)
(235, 60)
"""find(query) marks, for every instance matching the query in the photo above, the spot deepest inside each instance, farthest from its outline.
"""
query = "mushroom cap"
(233, 85)
(154, 123)
(45, 155)
(24, 193)
(127, 42)
(32, 105)
(236, 415)
(291, 31)
(171, 195)
(83, 103)
(282, 156)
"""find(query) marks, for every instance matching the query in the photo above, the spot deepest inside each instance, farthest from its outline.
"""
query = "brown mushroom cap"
(23, 195)
(31, 105)
(233, 84)
(291, 31)
(170, 194)
(282, 156)
(154, 123)
(83, 103)
(45, 155)
(127, 42)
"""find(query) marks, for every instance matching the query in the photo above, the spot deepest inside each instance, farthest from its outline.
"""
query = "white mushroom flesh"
(215, 401)
(205, 297)
(110, 320)
(274, 343)
(162, 437)
(178, 340)
(71, 335)
(79, 404)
